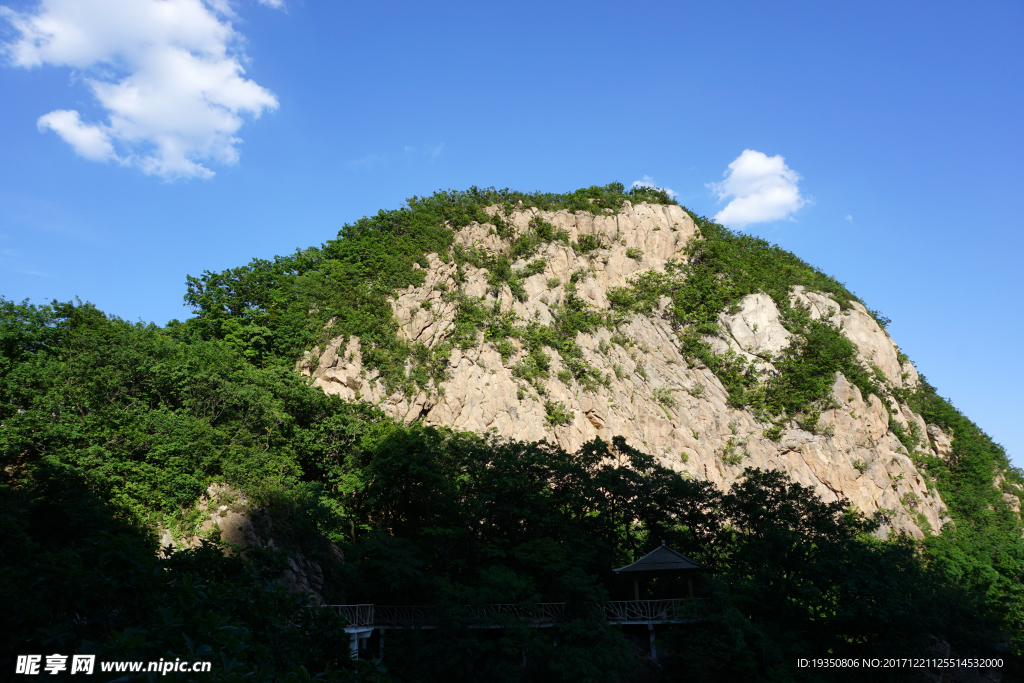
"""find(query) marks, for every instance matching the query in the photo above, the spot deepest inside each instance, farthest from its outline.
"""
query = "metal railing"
(404, 615)
(542, 613)
(654, 611)
(679, 610)
(360, 616)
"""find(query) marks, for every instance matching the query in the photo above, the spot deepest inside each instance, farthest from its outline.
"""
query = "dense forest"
(112, 430)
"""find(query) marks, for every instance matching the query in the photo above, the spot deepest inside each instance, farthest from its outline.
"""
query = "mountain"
(526, 277)
(489, 397)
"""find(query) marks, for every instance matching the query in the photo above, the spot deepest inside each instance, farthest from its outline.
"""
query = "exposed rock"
(655, 399)
(1012, 499)
(756, 328)
(873, 343)
(941, 444)
(230, 519)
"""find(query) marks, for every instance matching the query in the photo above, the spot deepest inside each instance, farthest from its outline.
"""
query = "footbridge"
(363, 620)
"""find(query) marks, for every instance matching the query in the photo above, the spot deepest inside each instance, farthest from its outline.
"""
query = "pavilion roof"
(662, 559)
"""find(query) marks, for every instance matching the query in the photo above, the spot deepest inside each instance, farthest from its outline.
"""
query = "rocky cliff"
(651, 392)
(224, 514)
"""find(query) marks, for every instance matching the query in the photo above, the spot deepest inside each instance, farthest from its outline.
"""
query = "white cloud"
(168, 73)
(413, 153)
(849, 218)
(648, 181)
(222, 7)
(426, 149)
(370, 160)
(762, 188)
(91, 142)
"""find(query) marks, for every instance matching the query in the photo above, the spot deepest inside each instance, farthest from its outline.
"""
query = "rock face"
(655, 400)
(229, 518)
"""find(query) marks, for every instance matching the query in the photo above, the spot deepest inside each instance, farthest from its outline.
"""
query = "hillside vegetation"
(113, 430)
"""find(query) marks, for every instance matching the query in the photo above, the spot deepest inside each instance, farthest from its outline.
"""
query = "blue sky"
(207, 134)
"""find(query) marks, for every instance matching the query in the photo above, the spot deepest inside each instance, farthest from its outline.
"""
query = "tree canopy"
(110, 430)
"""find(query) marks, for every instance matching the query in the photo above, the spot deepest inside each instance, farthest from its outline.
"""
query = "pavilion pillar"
(689, 582)
(636, 589)
(654, 651)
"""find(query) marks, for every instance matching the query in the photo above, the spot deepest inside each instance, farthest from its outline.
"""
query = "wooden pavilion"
(662, 561)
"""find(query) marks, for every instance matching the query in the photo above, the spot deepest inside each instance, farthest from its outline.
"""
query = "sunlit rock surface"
(655, 400)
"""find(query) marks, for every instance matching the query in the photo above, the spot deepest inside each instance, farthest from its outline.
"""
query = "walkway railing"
(679, 610)
(356, 615)
(675, 611)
